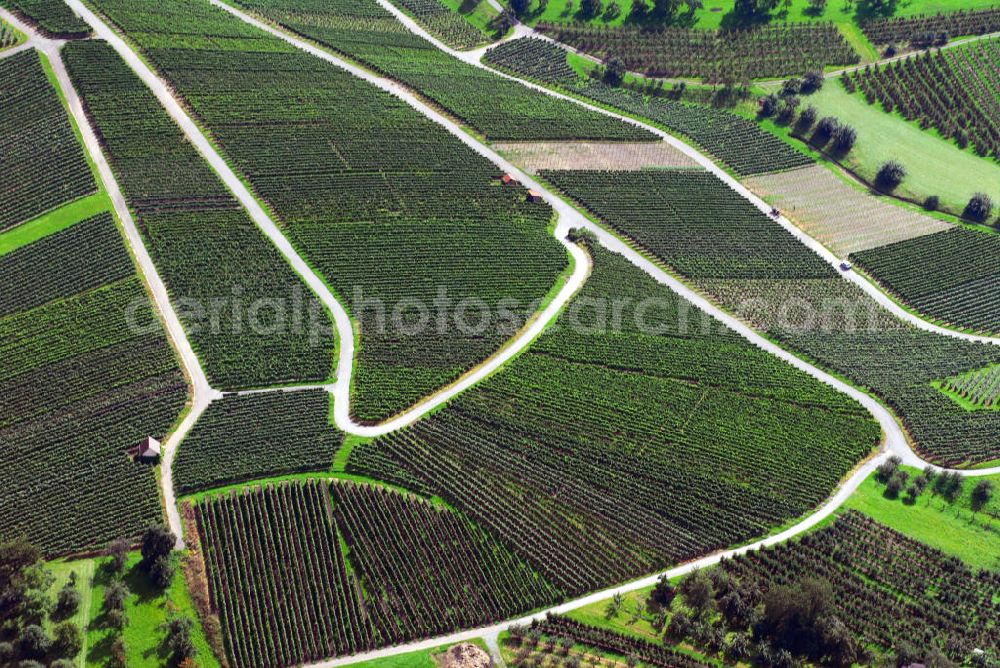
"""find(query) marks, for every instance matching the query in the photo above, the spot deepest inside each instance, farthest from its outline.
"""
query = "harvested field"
(842, 218)
(630, 156)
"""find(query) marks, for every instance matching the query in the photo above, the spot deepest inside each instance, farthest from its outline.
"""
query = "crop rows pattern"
(631, 436)
(897, 363)
(389, 207)
(957, 92)
(278, 567)
(443, 23)
(887, 588)
(728, 55)
(497, 107)
(43, 164)
(928, 29)
(242, 437)
(952, 276)
(648, 653)
(8, 37)
(250, 318)
(83, 378)
(738, 142)
(53, 17)
(692, 220)
(980, 387)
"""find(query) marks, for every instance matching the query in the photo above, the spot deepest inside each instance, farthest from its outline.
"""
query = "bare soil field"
(536, 156)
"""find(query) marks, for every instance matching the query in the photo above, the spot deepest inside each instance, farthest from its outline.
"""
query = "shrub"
(67, 639)
(68, 601)
(890, 175)
(812, 82)
(807, 118)
(932, 203)
(33, 642)
(768, 105)
(824, 131)
(979, 208)
(843, 139)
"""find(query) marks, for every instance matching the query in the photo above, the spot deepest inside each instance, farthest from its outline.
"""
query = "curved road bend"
(202, 393)
(873, 290)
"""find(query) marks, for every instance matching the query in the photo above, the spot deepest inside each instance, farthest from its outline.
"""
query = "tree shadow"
(875, 9)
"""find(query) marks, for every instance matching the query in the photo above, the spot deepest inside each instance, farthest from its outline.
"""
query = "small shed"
(148, 450)
(534, 196)
(508, 180)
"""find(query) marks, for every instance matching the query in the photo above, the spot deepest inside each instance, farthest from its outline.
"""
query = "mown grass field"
(53, 221)
(934, 166)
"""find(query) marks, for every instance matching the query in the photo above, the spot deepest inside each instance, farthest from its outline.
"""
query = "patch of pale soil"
(535, 156)
(464, 655)
(842, 218)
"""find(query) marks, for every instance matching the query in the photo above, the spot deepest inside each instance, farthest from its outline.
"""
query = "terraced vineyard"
(251, 319)
(52, 17)
(621, 443)
(890, 590)
(738, 142)
(8, 37)
(951, 276)
(926, 30)
(956, 92)
(257, 436)
(374, 180)
(86, 373)
(727, 55)
(498, 108)
(897, 363)
(43, 165)
(403, 584)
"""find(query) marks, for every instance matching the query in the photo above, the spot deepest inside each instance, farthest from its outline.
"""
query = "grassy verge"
(419, 659)
(479, 13)
(53, 221)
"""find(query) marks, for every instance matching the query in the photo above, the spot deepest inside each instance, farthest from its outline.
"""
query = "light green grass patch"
(53, 221)
(84, 570)
(934, 165)
(953, 528)
(479, 13)
(146, 611)
(419, 659)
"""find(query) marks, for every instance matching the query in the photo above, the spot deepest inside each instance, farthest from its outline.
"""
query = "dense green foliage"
(497, 107)
(890, 590)
(43, 164)
(951, 276)
(205, 246)
(445, 24)
(242, 437)
(82, 379)
(396, 589)
(53, 17)
(928, 30)
(953, 91)
(844, 333)
(727, 55)
(389, 207)
(79, 258)
(738, 142)
(634, 434)
(8, 37)
(693, 221)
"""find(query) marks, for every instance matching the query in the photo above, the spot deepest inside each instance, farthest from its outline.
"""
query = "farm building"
(148, 450)
(534, 196)
(508, 180)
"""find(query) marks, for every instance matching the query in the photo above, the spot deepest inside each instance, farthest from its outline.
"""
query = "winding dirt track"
(895, 441)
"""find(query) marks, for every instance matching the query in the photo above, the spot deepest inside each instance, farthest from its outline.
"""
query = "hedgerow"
(218, 267)
(624, 442)
(53, 17)
(738, 142)
(389, 207)
(725, 55)
(951, 276)
(953, 91)
(890, 590)
(83, 378)
(43, 164)
(927, 30)
(497, 107)
(404, 581)
(242, 437)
